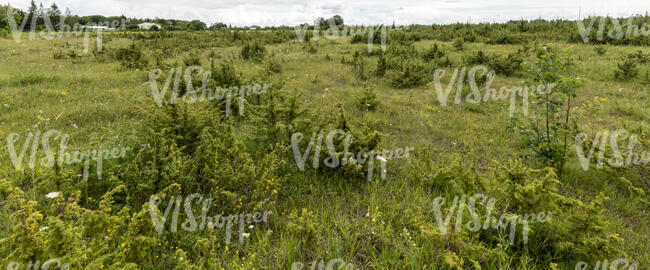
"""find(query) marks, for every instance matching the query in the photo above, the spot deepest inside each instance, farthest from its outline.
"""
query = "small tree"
(547, 134)
(627, 69)
(459, 44)
(381, 65)
(368, 99)
(600, 50)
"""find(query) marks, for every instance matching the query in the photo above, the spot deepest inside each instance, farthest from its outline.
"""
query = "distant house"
(148, 25)
(252, 28)
(97, 27)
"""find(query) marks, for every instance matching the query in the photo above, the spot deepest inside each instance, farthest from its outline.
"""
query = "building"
(97, 28)
(148, 25)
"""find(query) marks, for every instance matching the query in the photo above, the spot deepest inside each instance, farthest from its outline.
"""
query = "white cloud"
(292, 12)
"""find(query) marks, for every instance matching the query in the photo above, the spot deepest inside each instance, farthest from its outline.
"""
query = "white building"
(97, 27)
(148, 25)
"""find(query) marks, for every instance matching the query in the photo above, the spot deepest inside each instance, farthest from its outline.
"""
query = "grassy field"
(318, 214)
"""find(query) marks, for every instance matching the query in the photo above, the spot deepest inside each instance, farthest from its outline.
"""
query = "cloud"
(293, 12)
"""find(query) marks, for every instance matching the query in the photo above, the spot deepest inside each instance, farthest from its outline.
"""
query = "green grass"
(94, 101)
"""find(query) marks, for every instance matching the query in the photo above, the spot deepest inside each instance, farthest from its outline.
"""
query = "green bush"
(192, 59)
(459, 44)
(413, 75)
(368, 100)
(132, 57)
(225, 75)
(627, 69)
(600, 50)
(253, 51)
(433, 53)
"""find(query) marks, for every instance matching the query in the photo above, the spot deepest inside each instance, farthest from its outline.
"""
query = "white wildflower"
(52, 195)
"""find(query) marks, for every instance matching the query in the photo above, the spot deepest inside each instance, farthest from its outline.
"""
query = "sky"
(366, 12)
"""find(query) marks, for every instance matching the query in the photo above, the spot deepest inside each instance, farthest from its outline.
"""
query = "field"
(245, 161)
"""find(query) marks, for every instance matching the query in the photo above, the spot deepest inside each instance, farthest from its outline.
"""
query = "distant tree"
(218, 25)
(69, 19)
(132, 26)
(196, 25)
(31, 12)
(54, 14)
(40, 14)
(4, 22)
(338, 20)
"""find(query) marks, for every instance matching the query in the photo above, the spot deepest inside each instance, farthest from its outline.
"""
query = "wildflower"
(52, 195)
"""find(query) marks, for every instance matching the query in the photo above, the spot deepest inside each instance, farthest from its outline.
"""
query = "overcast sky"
(293, 12)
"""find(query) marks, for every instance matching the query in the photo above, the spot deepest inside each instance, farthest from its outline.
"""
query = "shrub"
(433, 53)
(413, 75)
(273, 65)
(225, 75)
(357, 38)
(459, 44)
(627, 69)
(132, 57)
(253, 51)
(548, 138)
(368, 100)
(600, 49)
(641, 57)
(59, 54)
(477, 58)
(192, 59)
(381, 65)
(359, 66)
(506, 66)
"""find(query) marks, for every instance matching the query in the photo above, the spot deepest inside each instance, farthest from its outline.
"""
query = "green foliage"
(273, 65)
(627, 69)
(368, 100)
(640, 56)
(412, 75)
(509, 65)
(600, 50)
(225, 75)
(359, 66)
(132, 57)
(547, 134)
(243, 163)
(381, 65)
(459, 44)
(192, 59)
(433, 53)
(253, 51)
(196, 25)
